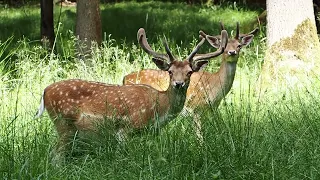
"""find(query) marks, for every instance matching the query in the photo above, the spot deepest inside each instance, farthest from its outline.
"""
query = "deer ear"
(199, 65)
(214, 42)
(161, 64)
(246, 40)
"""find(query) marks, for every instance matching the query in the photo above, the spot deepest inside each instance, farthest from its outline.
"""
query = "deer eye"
(189, 73)
(170, 73)
(239, 46)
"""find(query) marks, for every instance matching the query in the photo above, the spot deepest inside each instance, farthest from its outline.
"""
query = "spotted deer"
(78, 105)
(206, 89)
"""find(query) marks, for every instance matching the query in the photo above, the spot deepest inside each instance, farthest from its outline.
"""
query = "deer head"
(180, 71)
(159, 79)
(231, 53)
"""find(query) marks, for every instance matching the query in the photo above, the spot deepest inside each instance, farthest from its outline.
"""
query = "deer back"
(82, 101)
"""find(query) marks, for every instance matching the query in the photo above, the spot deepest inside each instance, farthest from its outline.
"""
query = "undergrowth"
(250, 136)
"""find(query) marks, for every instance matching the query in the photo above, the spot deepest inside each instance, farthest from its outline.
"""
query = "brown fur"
(204, 87)
(78, 105)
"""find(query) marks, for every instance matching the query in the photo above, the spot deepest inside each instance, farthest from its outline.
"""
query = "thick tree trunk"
(293, 52)
(284, 16)
(47, 28)
(88, 28)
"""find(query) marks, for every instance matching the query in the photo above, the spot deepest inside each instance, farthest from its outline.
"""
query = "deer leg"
(121, 135)
(197, 126)
(196, 122)
(67, 132)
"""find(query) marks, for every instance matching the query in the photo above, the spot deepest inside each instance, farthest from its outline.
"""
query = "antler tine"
(224, 39)
(217, 36)
(253, 32)
(223, 45)
(222, 26)
(141, 35)
(202, 34)
(165, 44)
(195, 50)
(237, 31)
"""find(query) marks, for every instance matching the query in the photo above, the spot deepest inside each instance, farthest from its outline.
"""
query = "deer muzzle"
(232, 52)
(179, 84)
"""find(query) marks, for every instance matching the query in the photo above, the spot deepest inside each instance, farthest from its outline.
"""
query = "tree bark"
(293, 49)
(88, 25)
(284, 17)
(47, 28)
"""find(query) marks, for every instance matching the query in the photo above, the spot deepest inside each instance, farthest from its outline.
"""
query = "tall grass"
(248, 137)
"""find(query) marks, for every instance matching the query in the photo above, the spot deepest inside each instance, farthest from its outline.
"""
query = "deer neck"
(226, 74)
(172, 101)
(177, 98)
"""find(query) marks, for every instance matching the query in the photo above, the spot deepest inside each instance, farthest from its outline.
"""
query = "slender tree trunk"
(47, 28)
(293, 51)
(88, 28)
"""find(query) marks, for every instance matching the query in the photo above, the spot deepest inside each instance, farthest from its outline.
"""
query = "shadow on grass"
(19, 27)
(179, 22)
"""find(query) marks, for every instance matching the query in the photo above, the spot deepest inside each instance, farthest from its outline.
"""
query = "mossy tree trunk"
(88, 26)
(293, 49)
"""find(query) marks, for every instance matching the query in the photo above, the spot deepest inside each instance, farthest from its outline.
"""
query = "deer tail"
(41, 107)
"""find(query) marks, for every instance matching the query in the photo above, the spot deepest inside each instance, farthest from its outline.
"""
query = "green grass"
(122, 20)
(248, 137)
(180, 23)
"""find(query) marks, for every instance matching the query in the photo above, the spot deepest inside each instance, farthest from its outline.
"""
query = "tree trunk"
(47, 28)
(88, 28)
(293, 49)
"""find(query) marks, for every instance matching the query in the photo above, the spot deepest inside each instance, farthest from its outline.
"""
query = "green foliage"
(178, 22)
(248, 137)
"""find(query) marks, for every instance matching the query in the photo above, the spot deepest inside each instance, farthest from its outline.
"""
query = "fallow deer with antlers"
(205, 88)
(78, 105)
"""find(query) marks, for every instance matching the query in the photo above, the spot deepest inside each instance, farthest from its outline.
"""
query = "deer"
(77, 105)
(206, 89)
